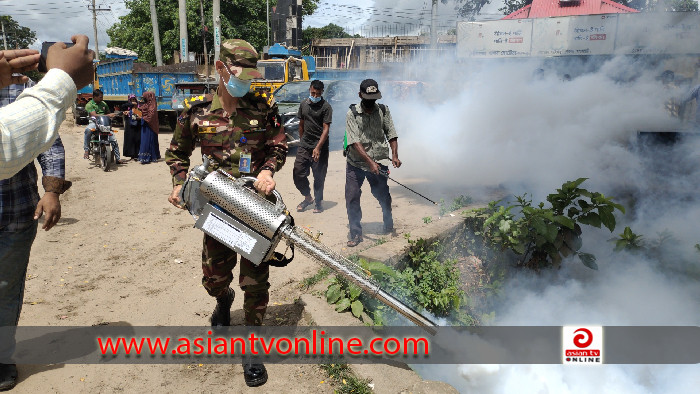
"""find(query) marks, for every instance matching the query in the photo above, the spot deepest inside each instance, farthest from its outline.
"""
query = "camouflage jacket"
(254, 128)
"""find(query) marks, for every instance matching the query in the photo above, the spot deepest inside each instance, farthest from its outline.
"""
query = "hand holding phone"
(75, 60)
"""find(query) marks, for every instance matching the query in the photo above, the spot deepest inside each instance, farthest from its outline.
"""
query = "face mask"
(236, 87)
(368, 103)
(315, 99)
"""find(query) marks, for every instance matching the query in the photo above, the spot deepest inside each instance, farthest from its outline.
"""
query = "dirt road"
(122, 253)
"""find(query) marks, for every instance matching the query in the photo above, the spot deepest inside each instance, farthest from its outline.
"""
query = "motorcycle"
(100, 146)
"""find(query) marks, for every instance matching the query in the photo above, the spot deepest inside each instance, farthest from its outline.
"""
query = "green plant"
(544, 236)
(458, 202)
(344, 295)
(628, 240)
(427, 219)
(322, 274)
(344, 380)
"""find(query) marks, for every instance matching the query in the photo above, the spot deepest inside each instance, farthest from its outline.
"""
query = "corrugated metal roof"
(550, 8)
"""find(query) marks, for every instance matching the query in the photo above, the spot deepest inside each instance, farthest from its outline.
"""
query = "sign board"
(659, 33)
(575, 35)
(507, 38)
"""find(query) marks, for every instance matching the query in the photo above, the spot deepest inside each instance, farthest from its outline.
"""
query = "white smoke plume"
(494, 123)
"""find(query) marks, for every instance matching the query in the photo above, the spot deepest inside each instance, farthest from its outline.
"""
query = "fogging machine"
(231, 211)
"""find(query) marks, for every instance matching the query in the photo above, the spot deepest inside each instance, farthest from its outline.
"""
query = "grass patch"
(343, 380)
(309, 282)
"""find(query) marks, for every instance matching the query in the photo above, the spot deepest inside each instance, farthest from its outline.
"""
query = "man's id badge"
(244, 163)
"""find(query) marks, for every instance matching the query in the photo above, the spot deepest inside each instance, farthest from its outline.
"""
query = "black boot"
(254, 373)
(222, 313)
(8, 376)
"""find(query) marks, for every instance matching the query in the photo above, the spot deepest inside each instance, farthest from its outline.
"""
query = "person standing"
(370, 133)
(149, 151)
(242, 132)
(96, 106)
(315, 116)
(20, 209)
(132, 128)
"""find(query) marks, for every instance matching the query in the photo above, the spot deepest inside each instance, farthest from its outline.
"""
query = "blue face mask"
(315, 99)
(236, 87)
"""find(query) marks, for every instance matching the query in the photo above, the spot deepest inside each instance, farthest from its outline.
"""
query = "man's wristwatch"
(268, 167)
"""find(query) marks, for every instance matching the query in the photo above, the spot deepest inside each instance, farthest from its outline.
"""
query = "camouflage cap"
(241, 58)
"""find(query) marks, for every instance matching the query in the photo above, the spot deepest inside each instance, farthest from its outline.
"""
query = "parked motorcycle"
(100, 146)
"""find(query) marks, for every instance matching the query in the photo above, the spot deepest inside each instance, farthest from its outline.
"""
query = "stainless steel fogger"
(229, 210)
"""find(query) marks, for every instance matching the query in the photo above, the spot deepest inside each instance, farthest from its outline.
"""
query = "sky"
(55, 20)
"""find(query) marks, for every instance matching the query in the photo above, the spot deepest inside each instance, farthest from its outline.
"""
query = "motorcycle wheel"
(95, 149)
(105, 155)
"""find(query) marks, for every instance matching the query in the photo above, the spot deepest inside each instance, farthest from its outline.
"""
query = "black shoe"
(254, 374)
(8, 376)
(222, 313)
(354, 240)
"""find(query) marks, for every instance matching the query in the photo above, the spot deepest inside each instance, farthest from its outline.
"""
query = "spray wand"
(386, 174)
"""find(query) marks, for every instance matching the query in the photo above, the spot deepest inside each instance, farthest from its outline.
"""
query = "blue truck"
(120, 75)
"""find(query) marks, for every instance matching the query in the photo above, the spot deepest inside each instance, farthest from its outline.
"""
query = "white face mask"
(237, 87)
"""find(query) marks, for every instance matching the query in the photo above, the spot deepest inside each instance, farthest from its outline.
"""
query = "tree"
(239, 19)
(469, 8)
(510, 6)
(329, 31)
(17, 36)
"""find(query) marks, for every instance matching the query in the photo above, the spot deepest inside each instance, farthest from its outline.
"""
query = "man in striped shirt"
(20, 209)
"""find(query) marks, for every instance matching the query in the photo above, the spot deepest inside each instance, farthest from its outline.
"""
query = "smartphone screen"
(44, 50)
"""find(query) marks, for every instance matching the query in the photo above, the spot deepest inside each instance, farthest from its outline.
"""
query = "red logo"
(584, 339)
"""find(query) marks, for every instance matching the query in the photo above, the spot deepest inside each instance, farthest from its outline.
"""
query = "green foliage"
(344, 380)
(468, 9)
(457, 203)
(344, 295)
(244, 19)
(19, 37)
(544, 236)
(427, 219)
(657, 5)
(329, 31)
(628, 240)
(322, 274)
(510, 6)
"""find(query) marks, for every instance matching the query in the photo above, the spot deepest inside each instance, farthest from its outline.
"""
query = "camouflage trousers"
(218, 263)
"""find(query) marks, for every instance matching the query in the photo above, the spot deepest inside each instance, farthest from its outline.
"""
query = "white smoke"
(493, 123)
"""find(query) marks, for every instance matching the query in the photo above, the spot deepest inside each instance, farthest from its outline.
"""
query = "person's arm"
(53, 167)
(177, 156)
(29, 126)
(327, 119)
(392, 137)
(300, 115)
(276, 152)
(693, 94)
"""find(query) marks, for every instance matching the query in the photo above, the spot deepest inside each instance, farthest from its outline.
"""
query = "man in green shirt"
(95, 107)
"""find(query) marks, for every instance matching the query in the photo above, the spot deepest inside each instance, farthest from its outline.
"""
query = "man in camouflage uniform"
(241, 132)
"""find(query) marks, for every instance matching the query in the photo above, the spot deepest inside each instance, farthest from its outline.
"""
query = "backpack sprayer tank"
(229, 210)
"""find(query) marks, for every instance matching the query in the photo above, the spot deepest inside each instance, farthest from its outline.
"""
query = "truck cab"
(279, 66)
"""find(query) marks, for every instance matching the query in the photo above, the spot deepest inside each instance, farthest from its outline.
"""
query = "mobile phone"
(44, 50)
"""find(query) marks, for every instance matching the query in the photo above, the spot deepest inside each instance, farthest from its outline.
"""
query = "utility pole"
(433, 20)
(183, 30)
(267, 12)
(94, 26)
(4, 39)
(156, 34)
(216, 14)
(204, 39)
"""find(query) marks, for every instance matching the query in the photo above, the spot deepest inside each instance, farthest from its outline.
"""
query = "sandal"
(318, 208)
(86, 155)
(354, 241)
(302, 206)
